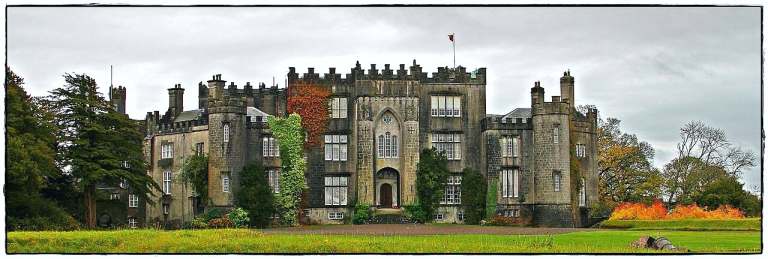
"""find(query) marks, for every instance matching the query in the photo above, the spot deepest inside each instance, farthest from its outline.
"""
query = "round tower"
(551, 160)
(227, 138)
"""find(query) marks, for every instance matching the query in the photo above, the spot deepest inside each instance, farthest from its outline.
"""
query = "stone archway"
(387, 182)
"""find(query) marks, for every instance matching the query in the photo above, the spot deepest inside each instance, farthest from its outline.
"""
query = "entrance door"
(386, 196)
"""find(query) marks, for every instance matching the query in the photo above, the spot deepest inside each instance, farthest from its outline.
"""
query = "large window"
(452, 190)
(446, 106)
(167, 176)
(133, 200)
(448, 143)
(581, 150)
(166, 151)
(225, 182)
(338, 108)
(273, 175)
(510, 146)
(335, 147)
(387, 145)
(226, 132)
(510, 183)
(335, 190)
(557, 180)
(270, 147)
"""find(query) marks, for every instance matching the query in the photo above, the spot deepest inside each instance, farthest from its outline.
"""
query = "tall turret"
(175, 100)
(566, 88)
(227, 137)
(117, 97)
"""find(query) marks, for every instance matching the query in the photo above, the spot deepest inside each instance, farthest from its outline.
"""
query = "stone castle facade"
(379, 120)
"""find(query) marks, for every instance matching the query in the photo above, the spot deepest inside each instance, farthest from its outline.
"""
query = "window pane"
(343, 194)
(335, 152)
(328, 139)
(327, 195)
(343, 138)
(328, 152)
(343, 154)
(516, 186)
(343, 181)
(327, 181)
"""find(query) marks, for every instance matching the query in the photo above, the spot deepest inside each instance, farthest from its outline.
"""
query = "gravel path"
(417, 229)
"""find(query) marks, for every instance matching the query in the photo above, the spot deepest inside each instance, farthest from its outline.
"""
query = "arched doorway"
(385, 198)
(387, 181)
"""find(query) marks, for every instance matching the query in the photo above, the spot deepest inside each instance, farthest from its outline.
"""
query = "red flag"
(450, 37)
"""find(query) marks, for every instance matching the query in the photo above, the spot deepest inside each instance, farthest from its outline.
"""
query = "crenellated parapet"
(413, 73)
(497, 122)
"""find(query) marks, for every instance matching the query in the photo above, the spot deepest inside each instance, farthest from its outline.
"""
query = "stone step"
(389, 219)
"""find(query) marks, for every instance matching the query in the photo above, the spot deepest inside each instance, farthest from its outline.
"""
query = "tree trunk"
(90, 206)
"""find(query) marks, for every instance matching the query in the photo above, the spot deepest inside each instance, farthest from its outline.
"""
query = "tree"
(96, 144)
(255, 195)
(30, 159)
(711, 146)
(729, 191)
(704, 154)
(290, 135)
(473, 192)
(195, 171)
(431, 176)
(626, 173)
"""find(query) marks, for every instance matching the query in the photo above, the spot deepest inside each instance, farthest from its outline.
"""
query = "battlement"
(497, 122)
(414, 72)
(164, 124)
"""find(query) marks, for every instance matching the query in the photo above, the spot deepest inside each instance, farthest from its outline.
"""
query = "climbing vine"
(311, 102)
(290, 135)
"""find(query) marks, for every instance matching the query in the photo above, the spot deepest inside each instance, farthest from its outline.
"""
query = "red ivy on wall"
(310, 101)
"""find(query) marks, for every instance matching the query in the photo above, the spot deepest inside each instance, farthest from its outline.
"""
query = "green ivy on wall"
(290, 135)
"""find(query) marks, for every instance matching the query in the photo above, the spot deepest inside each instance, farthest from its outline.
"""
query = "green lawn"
(750, 224)
(253, 241)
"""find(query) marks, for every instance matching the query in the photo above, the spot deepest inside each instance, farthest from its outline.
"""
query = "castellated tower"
(227, 137)
(117, 97)
(175, 100)
(551, 165)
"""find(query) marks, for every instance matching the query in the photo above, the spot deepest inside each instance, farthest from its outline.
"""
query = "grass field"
(748, 224)
(254, 241)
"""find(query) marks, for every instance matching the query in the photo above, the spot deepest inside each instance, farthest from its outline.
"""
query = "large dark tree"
(30, 159)
(255, 195)
(729, 191)
(96, 143)
(473, 192)
(431, 176)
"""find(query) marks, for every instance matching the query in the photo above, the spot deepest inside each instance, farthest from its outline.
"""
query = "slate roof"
(254, 112)
(517, 113)
(188, 115)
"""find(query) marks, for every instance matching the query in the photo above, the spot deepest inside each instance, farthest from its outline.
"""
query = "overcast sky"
(653, 68)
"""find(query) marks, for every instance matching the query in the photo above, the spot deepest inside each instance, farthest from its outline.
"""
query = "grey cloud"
(654, 68)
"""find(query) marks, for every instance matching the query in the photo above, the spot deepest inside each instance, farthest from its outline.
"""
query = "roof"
(524, 113)
(254, 112)
(188, 115)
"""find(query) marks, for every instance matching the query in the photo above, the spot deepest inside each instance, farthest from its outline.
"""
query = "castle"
(542, 159)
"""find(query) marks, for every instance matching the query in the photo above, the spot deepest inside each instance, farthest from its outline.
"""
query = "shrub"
(198, 223)
(415, 213)
(255, 196)
(239, 217)
(212, 214)
(629, 210)
(431, 176)
(657, 211)
(473, 195)
(220, 223)
(499, 220)
(362, 213)
(600, 209)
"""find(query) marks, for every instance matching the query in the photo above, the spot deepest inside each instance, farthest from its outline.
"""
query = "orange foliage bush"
(629, 211)
(310, 101)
